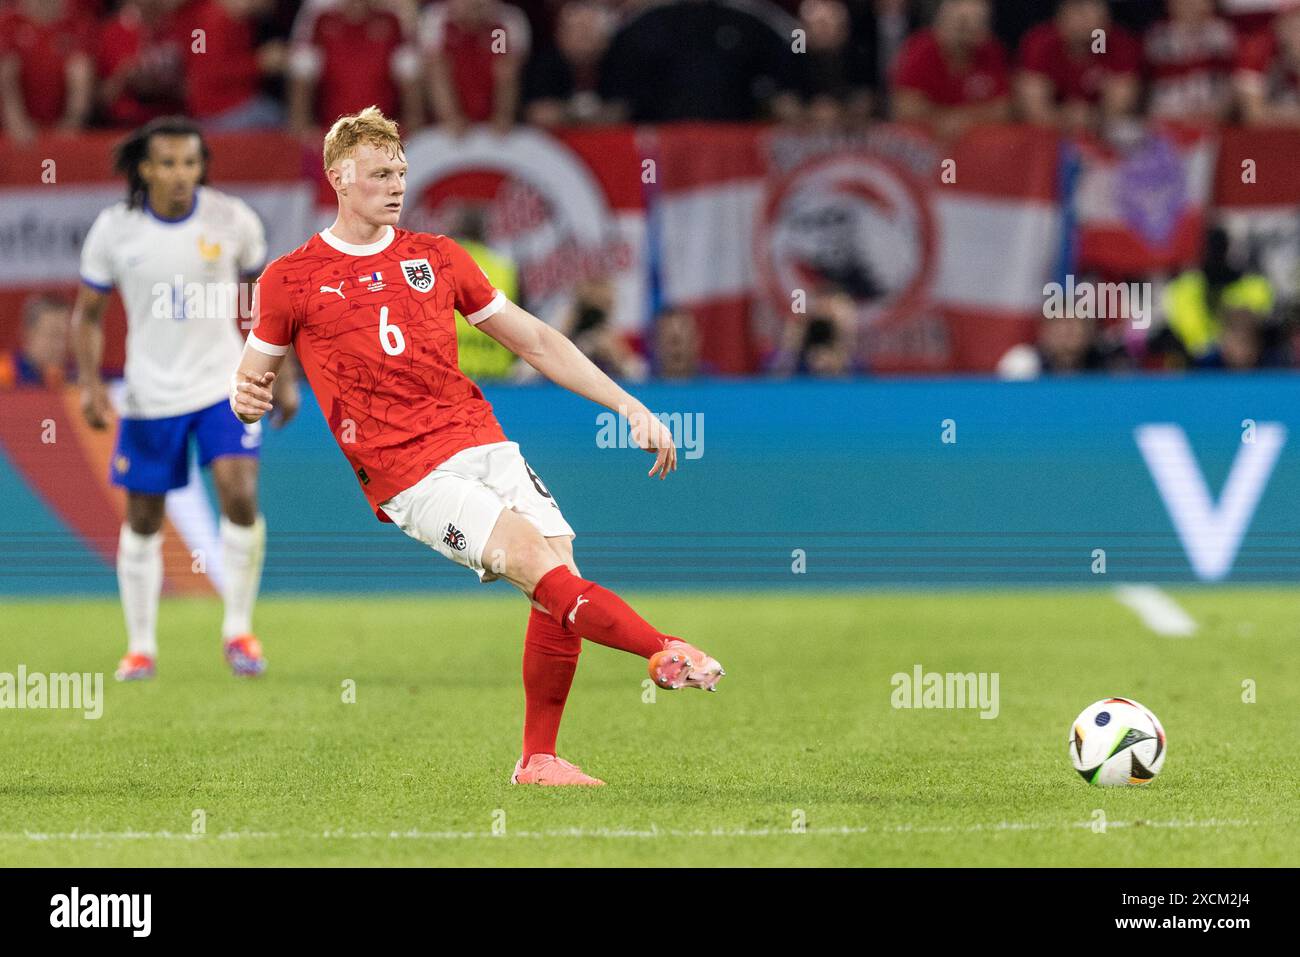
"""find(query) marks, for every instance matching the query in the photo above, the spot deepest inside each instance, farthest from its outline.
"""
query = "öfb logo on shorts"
(454, 538)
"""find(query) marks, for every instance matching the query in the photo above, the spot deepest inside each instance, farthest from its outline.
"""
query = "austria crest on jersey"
(418, 273)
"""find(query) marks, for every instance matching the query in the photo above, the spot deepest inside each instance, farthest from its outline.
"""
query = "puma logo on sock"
(576, 605)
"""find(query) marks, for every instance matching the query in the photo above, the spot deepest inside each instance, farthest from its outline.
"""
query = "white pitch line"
(652, 833)
(1158, 610)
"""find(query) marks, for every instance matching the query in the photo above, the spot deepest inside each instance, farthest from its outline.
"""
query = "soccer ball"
(1117, 742)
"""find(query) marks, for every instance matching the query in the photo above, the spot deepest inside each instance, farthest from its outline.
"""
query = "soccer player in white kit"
(176, 251)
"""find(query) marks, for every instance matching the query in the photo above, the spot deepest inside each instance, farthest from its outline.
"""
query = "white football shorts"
(454, 508)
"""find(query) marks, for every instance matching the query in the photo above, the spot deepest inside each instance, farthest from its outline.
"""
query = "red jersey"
(374, 328)
(43, 49)
(152, 52)
(469, 52)
(226, 74)
(357, 63)
(1263, 61)
(923, 66)
(1188, 64)
(1078, 75)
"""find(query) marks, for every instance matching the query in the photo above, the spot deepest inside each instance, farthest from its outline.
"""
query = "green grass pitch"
(415, 771)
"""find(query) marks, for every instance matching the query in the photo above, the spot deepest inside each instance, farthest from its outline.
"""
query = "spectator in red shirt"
(1251, 18)
(1078, 68)
(953, 74)
(46, 72)
(475, 50)
(1189, 58)
(140, 63)
(1267, 79)
(224, 66)
(309, 11)
(357, 56)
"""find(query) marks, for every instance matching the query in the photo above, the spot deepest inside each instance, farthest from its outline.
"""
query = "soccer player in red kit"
(370, 311)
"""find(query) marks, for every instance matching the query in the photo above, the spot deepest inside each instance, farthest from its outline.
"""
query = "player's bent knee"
(144, 527)
(144, 513)
(236, 479)
(241, 509)
(529, 561)
(518, 551)
(563, 548)
(530, 558)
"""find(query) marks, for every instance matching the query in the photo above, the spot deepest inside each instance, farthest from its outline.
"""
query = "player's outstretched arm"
(286, 398)
(88, 348)
(551, 353)
(250, 386)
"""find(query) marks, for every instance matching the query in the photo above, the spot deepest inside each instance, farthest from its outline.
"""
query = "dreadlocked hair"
(129, 153)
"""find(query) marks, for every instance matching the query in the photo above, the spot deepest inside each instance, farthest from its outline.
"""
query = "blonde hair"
(368, 126)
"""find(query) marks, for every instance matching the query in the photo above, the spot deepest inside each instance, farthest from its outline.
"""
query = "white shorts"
(454, 508)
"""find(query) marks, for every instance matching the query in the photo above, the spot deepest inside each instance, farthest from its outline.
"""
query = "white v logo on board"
(1211, 533)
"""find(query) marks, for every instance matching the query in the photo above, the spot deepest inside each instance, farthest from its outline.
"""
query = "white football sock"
(139, 582)
(242, 550)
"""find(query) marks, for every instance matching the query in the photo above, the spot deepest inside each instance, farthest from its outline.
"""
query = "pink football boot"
(547, 769)
(681, 665)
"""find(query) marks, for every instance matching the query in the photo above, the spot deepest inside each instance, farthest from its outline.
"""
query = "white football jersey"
(179, 282)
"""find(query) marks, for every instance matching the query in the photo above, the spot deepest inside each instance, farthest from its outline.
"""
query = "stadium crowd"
(70, 65)
(244, 64)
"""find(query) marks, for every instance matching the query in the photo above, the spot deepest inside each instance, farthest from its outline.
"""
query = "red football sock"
(550, 659)
(596, 613)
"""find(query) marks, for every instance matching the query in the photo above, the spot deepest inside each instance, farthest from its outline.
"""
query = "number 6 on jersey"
(390, 337)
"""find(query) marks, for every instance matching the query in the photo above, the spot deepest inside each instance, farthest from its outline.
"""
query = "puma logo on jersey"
(576, 605)
(339, 290)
